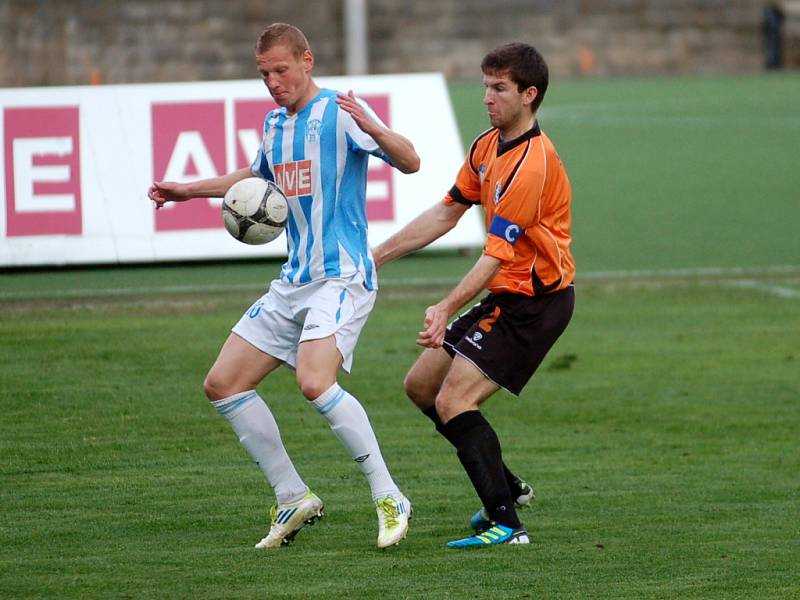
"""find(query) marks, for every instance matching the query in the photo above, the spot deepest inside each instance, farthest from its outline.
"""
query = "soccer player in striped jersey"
(316, 146)
(512, 171)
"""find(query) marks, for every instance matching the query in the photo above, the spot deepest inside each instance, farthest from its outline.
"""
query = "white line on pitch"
(733, 276)
(132, 291)
(773, 290)
(698, 272)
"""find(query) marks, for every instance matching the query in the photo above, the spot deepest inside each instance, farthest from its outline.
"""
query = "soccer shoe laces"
(273, 515)
(389, 512)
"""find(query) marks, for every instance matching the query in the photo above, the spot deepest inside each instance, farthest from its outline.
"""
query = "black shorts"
(506, 336)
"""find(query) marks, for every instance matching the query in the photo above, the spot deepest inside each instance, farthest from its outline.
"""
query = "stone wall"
(68, 42)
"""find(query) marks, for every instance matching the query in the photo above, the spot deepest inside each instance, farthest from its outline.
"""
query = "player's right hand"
(435, 324)
(161, 192)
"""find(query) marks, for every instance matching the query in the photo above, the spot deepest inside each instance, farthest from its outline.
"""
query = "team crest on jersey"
(313, 129)
(482, 172)
(498, 186)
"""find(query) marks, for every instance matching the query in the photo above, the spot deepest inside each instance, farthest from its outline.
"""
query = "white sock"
(258, 432)
(350, 423)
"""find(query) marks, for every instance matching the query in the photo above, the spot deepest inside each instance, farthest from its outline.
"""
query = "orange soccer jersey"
(526, 197)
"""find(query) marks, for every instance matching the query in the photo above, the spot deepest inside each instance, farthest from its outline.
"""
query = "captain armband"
(505, 229)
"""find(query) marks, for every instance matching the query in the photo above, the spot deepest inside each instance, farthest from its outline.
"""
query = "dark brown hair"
(524, 65)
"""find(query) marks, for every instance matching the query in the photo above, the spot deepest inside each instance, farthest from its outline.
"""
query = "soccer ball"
(254, 211)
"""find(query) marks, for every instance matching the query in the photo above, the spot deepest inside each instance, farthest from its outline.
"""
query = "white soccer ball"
(254, 211)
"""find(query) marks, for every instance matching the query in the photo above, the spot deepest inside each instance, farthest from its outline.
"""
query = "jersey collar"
(503, 147)
(323, 93)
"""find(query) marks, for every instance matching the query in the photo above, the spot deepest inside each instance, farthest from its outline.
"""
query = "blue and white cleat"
(480, 521)
(394, 513)
(288, 519)
(499, 534)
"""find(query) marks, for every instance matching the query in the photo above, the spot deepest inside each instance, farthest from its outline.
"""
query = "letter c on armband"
(505, 229)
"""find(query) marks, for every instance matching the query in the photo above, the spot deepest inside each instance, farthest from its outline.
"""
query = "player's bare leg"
(464, 389)
(230, 385)
(318, 363)
(425, 378)
(240, 366)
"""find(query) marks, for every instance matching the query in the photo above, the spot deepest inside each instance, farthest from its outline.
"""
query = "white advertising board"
(76, 162)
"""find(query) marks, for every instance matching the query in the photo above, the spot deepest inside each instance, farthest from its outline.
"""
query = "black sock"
(479, 451)
(431, 413)
(512, 480)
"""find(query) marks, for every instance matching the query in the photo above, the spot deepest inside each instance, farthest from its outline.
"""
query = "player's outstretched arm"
(436, 316)
(161, 192)
(396, 147)
(425, 228)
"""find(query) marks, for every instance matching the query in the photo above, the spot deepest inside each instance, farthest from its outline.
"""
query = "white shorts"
(289, 314)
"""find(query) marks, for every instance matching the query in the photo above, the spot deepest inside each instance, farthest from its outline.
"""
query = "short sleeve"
(467, 188)
(501, 237)
(361, 141)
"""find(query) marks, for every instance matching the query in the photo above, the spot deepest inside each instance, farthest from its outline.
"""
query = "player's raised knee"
(312, 388)
(216, 388)
(419, 391)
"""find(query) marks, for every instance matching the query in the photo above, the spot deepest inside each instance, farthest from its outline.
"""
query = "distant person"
(773, 35)
(313, 314)
(513, 172)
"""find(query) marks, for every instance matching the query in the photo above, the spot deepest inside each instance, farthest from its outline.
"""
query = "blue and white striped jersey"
(319, 157)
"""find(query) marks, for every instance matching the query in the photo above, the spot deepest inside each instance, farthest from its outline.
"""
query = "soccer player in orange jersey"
(513, 171)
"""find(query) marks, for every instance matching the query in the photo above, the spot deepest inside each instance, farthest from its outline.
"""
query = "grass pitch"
(660, 433)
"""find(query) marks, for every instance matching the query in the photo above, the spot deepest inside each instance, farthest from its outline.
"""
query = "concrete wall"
(68, 42)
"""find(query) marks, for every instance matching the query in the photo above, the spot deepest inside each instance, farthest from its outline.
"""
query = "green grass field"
(660, 434)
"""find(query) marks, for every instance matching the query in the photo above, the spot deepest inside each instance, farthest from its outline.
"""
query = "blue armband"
(505, 229)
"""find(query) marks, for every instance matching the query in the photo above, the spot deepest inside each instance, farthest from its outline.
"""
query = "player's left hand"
(349, 104)
(435, 326)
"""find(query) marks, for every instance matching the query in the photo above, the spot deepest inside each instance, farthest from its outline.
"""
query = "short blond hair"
(283, 34)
